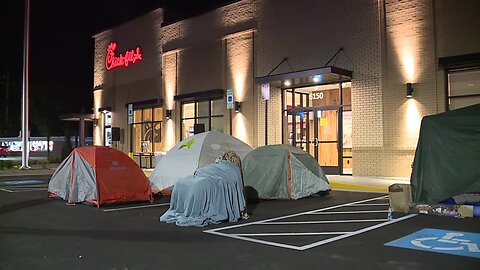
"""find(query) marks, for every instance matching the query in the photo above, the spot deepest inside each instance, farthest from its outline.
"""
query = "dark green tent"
(447, 159)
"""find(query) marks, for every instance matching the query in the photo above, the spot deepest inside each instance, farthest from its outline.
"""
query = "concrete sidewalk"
(363, 183)
(35, 169)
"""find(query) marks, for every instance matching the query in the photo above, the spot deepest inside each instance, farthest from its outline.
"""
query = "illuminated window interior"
(146, 130)
(463, 88)
(208, 112)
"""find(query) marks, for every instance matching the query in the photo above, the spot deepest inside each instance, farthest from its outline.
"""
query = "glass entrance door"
(316, 132)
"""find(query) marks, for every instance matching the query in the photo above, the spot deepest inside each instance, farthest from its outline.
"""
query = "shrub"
(6, 164)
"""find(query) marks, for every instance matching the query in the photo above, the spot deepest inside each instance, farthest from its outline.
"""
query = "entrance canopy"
(324, 75)
(80, 118)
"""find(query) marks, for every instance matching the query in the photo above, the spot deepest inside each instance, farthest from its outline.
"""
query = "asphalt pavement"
(342, 230)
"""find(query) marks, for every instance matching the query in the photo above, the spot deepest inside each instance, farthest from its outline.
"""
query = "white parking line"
(289, 216)
(269, 243)
(290, 234)
(23, 190)
(340, 235)
(136, 207)
(324, 221)
(355, 233)
(349, 212)
(371, 204)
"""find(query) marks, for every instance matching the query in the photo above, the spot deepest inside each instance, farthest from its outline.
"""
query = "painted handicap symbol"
(441, 241)
(448, 238)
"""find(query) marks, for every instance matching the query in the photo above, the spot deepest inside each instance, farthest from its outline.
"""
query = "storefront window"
(288, 100)
(208, 113)
(463, 88)
(313, 124)
(146, 130)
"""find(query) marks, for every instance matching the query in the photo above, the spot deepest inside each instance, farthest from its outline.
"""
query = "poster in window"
(108, 136)
(347, 129)
(157, 132)
(147, 132)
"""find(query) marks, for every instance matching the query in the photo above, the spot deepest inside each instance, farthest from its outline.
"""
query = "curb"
(12, 173)
(343, 186)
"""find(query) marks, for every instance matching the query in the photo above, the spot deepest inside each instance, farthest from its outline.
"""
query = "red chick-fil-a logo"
(113, 61)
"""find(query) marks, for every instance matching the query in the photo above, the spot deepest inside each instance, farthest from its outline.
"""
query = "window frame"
(196, 117)
(153, 122)
(448, 97)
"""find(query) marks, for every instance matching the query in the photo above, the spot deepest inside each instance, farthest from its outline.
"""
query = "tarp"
(283, 172)
(192, 153)
(447, 158)
(99, 175)
(212, 195)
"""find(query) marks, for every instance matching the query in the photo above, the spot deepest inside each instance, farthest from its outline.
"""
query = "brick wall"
(387, 43)
(309, 33)
(274, 117)
(140, 81)
(408, 56)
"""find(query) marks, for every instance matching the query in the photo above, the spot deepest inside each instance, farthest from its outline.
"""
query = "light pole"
(25, 130)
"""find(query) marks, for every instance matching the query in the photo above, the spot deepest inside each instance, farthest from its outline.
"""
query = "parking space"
(344, 230)
(317, 227)
(23, 185)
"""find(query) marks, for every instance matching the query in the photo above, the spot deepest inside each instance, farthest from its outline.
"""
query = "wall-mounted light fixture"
(317, 78)
(168, 114)
(95, 122)
(238, 106)
(409, 90)
(105, 109)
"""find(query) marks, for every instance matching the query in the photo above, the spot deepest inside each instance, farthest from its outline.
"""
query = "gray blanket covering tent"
(283, 172)
(212, 195)
(447, 158)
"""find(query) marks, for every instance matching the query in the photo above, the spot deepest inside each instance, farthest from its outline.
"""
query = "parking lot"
(343, 230)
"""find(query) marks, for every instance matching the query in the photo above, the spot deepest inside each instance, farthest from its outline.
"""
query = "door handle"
(315, 141)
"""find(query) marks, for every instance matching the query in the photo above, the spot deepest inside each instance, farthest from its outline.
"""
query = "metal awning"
(315, 76)
(78, 117)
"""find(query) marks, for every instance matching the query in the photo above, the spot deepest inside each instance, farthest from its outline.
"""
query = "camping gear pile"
(191, 154)
(212, 195)
(283, 172)
(448, 156)
(445, 178)
(99, 175)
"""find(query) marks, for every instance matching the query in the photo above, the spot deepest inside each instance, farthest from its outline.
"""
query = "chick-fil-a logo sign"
(113, 61)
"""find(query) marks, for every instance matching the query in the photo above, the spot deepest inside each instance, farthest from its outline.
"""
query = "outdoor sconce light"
(105, 109)
(238, 106)
(168, 114)
(95, 122)
(409, 90)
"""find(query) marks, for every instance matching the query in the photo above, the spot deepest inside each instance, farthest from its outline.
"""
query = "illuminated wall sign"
(112, 61)
(229, 99)
(34, 145)
(317, 95)
(265, 91)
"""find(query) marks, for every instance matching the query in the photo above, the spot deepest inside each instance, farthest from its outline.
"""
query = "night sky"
(61, 53)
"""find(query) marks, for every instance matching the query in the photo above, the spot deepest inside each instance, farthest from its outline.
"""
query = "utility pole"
(7, 94)
(25, 130)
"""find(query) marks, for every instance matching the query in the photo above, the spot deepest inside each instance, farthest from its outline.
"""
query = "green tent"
(283, 172)
(447, 159)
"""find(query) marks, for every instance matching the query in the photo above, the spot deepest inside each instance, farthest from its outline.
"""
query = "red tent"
(99, 175)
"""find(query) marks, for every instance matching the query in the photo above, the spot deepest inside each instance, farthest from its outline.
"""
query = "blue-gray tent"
(283, 172)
